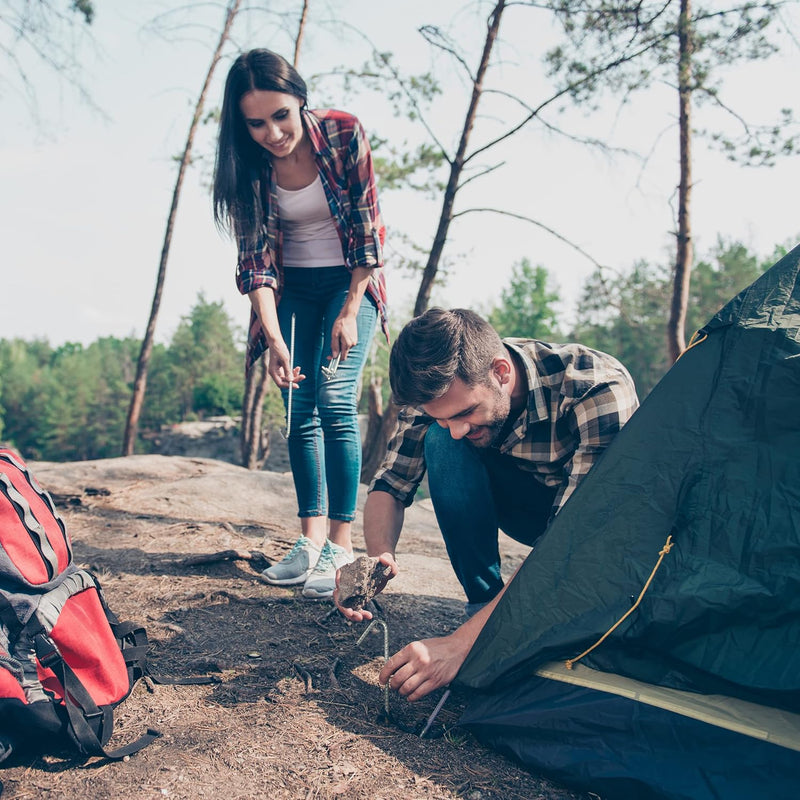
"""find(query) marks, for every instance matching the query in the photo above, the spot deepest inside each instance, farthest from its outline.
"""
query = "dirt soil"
(297, 712)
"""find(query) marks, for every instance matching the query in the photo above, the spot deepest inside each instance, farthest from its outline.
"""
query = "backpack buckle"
(46, 651)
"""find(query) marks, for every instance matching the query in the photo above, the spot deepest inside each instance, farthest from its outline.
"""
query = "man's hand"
(362, 614)
(421, 667)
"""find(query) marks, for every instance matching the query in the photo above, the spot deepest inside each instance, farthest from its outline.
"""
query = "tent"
(680, 554)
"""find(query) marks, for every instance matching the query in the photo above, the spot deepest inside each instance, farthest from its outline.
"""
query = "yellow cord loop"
(661, 553)
(697, 338)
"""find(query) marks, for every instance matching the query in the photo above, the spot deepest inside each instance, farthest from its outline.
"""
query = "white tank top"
(309, 233)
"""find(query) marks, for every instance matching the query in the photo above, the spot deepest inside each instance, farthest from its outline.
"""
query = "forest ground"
(297, 712)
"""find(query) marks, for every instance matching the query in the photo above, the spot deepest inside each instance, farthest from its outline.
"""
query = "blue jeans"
(475, 492)
(324, 440)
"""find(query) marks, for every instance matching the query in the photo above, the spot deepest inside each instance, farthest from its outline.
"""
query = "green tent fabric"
(712, 459)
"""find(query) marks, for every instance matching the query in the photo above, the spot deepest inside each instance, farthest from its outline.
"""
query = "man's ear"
(501, 369)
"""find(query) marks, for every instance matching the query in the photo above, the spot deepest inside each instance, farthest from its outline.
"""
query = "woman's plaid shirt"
(344, 160)
(578, 400)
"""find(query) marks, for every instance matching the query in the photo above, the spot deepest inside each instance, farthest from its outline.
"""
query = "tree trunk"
(255, 442)
(456, 167)
(246, 424)
(676, 340)
(301, 28)
(140, 382)
(254, 439)
(375, 445)
(374, 414)
(380, 427)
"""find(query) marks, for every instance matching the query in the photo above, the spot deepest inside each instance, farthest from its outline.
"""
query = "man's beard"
(492, 432)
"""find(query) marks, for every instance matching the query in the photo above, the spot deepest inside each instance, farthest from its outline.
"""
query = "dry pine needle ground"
(297, 711)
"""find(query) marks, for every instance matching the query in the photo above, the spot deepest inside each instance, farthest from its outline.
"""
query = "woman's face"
(273, 120)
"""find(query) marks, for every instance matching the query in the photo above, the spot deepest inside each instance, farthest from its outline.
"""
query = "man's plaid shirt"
(578, 400)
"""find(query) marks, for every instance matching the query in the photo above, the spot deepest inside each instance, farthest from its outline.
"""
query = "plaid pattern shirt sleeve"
(404, 465)
(595, 421)
(345, 160)
(258, 260)
(366, 226)
(255, 267)
(578, 401)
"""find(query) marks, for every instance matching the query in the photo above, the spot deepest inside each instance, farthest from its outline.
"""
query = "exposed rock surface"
(218, 438)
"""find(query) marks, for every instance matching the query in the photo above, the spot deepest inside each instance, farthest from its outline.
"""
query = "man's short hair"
(437, 347)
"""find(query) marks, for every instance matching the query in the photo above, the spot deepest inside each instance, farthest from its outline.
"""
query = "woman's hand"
(344, 335)
(280, 366)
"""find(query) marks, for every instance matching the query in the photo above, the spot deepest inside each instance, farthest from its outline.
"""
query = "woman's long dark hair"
(237, 192)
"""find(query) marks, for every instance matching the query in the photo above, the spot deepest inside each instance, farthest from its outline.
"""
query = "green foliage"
(162, 404)
(628, 46)
(397, 164)
(626, 315)
(70, 402)
(400, 168)
(527, 305)
(731, 268)
(66, 403)
(205, 363)
(214, 395)
(21, 365)
(85, 8)
(274, 413)
(404, 93)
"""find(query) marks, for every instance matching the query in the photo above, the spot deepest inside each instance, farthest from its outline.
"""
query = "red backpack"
(65, 659)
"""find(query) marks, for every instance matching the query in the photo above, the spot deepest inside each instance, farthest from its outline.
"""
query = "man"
(506, 430)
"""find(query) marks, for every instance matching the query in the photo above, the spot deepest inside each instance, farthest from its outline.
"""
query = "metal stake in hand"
(291, 381)
(329, 370)
(363, 636)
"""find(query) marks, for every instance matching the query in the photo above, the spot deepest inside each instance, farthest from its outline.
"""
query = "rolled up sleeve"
(367, 231)
(404, 465)
(255, 268)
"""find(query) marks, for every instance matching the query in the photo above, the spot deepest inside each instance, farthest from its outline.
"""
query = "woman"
(297, 189)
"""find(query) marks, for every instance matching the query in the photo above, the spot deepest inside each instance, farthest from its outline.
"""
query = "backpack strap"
(9, 618)
(90, 725)
(189, 680)
(132, 639)
(133, 644)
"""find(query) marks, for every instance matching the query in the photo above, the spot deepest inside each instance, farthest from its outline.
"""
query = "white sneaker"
(322, 580)
(296, 566)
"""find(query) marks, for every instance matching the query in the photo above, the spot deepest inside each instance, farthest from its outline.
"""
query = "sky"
(86, 187)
